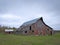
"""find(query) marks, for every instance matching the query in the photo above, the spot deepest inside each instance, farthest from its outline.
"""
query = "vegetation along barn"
(35, 27)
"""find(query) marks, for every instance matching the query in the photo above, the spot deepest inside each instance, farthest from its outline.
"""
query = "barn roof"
(34, 21)
(30, 22)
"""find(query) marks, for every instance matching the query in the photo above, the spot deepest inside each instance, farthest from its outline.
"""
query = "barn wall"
(42, 28)
(24, 29)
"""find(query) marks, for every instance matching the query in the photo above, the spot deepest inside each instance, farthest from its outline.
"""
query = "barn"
(35, 27)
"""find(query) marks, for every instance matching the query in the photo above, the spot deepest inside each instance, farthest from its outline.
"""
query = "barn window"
(48, 29)
(25, 31)
(30, 27)
(32, 30)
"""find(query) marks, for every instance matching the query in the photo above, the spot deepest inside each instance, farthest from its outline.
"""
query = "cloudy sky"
(14, 13)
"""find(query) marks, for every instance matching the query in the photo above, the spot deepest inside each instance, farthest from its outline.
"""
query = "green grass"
(11, 39)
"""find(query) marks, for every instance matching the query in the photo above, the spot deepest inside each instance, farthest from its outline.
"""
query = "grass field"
(11, 39)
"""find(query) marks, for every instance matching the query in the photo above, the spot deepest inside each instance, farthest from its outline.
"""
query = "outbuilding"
(9, 31)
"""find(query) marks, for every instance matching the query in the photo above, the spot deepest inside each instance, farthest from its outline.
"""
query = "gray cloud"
(30, 9)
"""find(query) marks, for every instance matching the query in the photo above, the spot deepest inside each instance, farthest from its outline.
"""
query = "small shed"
(9, 31)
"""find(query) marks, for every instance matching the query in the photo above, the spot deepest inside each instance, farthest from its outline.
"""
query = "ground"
(11, 39)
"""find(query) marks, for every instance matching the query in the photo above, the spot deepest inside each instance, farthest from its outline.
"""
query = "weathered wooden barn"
(35, 27)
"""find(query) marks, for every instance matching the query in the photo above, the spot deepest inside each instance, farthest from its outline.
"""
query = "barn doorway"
(50, 32)
(25, 31)
(30, 27)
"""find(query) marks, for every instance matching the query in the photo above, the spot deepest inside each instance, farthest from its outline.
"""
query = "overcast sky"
(15, 12)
